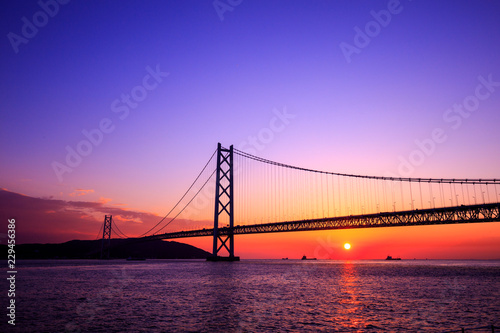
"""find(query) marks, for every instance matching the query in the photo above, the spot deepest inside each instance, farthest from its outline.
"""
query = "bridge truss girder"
(446, 215)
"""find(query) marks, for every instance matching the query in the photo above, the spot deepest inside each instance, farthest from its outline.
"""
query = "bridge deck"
(446, 215)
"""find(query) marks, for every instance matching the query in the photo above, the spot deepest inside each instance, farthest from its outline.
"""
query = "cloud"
(45, 220)
(79, 192)
(104, 200)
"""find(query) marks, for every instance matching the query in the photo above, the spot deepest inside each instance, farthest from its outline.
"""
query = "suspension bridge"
(238, 193)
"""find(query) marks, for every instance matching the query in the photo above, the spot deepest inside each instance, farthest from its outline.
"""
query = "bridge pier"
(219, 258)
(224, 196)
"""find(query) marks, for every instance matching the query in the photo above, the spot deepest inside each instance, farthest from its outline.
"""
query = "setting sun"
(347, 246)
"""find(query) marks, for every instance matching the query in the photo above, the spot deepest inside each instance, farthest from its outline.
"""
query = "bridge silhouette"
(264, 196)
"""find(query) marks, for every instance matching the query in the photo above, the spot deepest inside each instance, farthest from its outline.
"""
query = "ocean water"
(254, 296)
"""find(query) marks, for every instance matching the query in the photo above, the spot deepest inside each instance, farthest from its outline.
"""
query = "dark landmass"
(120, 249)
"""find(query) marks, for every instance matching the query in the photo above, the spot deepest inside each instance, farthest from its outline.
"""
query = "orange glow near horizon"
(58, 221)
(465, 241)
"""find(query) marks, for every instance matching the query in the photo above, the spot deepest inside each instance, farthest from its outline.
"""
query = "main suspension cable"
(99, 232)
(116, 226)
(194, 196)
(430, 180)
(178, 202)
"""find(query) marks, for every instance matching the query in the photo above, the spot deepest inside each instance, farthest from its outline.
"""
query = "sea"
(254, 296)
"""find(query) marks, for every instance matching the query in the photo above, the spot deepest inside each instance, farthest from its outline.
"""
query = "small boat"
(391, 258)
(284, 258)
(306, 258)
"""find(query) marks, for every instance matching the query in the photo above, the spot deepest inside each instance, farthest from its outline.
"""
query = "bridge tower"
(106, 237)
(224, 205)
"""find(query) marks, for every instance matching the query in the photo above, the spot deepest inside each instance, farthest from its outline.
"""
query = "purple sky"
(228, 68)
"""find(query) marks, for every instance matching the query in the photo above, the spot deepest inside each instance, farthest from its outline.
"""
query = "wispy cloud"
(104, 200)
(79, 192)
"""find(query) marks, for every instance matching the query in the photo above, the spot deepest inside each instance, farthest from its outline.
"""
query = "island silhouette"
(120, 249)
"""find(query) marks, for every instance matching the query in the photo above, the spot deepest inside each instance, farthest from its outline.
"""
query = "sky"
(114, 107)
